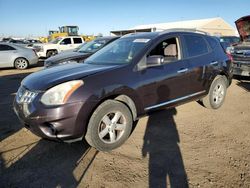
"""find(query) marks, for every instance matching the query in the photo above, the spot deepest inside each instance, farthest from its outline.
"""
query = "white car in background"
(57, 45)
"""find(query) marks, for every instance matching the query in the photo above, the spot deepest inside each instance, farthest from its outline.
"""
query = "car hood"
(67, 55)
(47, 78)
(243, 27)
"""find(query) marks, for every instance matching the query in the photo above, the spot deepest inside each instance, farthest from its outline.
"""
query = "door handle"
(214, 63)
(182, 70)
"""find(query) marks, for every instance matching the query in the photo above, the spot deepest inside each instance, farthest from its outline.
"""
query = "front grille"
(25, 96)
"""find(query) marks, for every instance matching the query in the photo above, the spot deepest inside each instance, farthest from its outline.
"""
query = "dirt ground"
(188, 146)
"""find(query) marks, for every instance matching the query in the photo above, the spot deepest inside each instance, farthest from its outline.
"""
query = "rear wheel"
(21, 63)
(110, 125)
(217, 93)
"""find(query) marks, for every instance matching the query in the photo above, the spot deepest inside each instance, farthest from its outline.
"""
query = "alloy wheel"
(112, 127)
(21, 63)
(218, 93)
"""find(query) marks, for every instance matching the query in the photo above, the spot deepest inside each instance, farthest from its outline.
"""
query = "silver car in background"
(12, 55)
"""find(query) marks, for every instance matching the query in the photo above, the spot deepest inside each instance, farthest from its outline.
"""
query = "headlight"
(59, 94)
(41, 49)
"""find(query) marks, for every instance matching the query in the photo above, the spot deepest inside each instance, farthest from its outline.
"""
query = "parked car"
(33, 41)
(232, 40)
(241, 52)
(79, 54)
(6, 39)
(46, 50)
(18, 42)
(12, 55)
(139, 73)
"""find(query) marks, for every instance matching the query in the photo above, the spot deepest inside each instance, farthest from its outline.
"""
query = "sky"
(23, 18)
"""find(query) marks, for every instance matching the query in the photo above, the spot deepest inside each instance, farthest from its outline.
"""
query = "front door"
(167, 83)
(66, 44)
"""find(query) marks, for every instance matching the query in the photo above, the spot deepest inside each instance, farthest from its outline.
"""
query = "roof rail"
(186, 30)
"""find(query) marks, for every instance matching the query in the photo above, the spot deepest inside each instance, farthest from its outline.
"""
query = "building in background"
(214, 26)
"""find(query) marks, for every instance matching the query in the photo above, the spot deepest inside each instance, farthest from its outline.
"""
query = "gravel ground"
(188, 146)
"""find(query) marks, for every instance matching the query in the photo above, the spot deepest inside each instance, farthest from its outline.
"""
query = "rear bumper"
(33, 60)
(241, 68)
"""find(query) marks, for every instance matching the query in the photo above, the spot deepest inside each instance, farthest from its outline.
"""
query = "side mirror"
(154, 60)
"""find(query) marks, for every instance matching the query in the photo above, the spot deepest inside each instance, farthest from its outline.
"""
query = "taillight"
(230, 56)
(35, 52)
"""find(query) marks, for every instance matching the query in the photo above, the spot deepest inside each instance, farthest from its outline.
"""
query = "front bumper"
(56, 123)
(241, 68)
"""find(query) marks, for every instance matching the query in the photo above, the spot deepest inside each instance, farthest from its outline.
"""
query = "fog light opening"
(49, 129)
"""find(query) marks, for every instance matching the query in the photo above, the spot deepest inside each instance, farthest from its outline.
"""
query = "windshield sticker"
(141, 40)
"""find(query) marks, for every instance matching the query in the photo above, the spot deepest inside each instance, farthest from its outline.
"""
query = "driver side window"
(168, 49)
(66, 41)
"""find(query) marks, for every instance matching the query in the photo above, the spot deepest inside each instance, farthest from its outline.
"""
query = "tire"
(21, 63)
(103, 132)
(51, 53)
(216, 94)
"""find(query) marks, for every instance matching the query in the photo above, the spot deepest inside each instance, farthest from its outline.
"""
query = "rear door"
(6, 55)
(201, 61)
(168, 83)
(77, 41)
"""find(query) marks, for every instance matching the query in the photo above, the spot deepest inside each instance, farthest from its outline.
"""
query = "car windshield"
(121, 51)
(55, 41)
(80, 46)
(230, 39)
(92, 46)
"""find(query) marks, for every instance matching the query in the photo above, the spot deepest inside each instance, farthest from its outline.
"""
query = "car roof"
(152, 35)
(107, 38)
(70, 37)
(13, 45)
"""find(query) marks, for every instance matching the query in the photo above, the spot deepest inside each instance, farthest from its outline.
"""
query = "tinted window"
(92, 46)
(66, 41)
(6, 47)
(212, 42)
(196, 45)
(215, 44)
(77, 40)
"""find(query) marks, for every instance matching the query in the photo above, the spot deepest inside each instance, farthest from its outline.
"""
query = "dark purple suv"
(136, 74)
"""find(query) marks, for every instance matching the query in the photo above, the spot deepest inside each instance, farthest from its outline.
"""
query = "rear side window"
(77, 40)
(216, 45)
(213, 42)
(6, 47)
(196, 45)
(66, 41)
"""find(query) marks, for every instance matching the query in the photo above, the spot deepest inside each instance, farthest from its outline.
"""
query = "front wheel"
(110, 126)
(217, 93)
